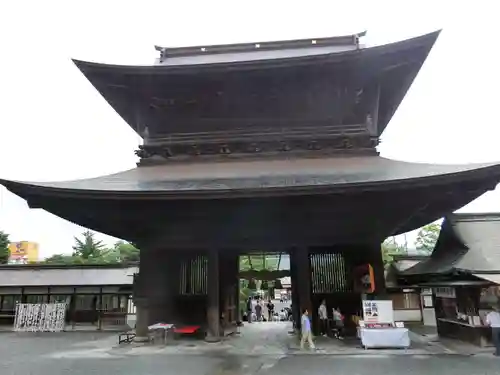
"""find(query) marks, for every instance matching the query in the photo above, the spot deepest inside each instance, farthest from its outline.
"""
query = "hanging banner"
(378, 312)
(40, 317)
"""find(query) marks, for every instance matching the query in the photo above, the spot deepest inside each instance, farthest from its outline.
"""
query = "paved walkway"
(272, 339)
(89, 353)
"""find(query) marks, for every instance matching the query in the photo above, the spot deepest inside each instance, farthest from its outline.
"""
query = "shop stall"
(378, 329)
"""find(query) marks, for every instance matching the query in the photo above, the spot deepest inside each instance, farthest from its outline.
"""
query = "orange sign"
(364, 279)
(23, 252)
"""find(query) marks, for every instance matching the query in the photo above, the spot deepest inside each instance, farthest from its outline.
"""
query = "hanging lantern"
(277, 284)
(252, 285)
(264, 285)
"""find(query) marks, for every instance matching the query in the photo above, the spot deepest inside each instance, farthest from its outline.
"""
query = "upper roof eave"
(426, 40)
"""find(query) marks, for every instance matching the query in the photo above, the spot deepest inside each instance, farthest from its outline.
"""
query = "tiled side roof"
(27, 276)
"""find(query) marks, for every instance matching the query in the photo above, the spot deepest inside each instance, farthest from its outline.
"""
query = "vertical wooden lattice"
(328, 273)
(193, 276)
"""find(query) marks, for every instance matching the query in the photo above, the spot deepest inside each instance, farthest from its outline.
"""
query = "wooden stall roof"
(468, 243)
(19, 276)
(228, 179)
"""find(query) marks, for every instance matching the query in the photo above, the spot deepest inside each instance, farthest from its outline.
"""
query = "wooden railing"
(263, 134)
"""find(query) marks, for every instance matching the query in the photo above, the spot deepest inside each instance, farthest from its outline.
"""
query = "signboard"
(364, 279)
(23, 252)
(378, 312)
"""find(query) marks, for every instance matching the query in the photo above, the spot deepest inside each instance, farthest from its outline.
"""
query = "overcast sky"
(55, 126)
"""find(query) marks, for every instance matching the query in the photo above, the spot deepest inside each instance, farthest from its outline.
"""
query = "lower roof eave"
(263, 179)
(27, 190)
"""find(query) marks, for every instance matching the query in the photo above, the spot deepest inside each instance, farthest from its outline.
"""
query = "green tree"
(427, 238)
(64, 259)
(391, 247)
(122, 252)
(88, 248)
(4, 248)
(259, 262)
(128, 252)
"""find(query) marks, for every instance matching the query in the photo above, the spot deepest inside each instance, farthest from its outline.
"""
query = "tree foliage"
(259, 262)
(88, 247)
(427, 238)
(88, 250)
(391, 247)
(4, 248)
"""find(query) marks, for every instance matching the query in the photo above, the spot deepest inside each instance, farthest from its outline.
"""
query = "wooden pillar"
(213, 312)
(158, 282)
(377, 264)
(303, 279)
(295, 292)
(142, 320)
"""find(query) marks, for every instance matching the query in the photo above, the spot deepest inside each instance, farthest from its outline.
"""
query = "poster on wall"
(378, 312)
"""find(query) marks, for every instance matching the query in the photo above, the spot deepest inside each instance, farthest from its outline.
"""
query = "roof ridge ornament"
(347, 40)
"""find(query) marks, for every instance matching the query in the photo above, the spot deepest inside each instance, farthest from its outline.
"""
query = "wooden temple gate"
(191, 299)
(202, 288)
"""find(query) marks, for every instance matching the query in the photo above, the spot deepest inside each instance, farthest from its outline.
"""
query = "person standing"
(270, 310)
(258, 310)
(306, 331)
(338, 320)
(493, 320)
(249, 310)
(323, 318)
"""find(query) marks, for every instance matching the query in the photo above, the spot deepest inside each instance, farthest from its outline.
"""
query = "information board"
(378, 312)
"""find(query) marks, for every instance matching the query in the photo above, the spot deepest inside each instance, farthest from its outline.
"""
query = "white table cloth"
(384, 337)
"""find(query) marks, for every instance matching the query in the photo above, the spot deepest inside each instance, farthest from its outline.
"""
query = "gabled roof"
(467, 243)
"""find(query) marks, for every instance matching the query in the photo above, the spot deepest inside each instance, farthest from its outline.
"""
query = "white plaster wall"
(131, 317)
(407, 315)
(429, 317)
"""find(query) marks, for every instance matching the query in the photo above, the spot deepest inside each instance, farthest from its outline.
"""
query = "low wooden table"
(163, 329)
(126, 337)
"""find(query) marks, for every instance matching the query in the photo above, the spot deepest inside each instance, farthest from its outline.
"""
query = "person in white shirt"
(323, 318)
(493, 320)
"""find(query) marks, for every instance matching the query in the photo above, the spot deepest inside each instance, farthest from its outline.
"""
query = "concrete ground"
(263, 348)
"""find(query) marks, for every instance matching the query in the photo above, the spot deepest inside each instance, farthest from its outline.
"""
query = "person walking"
(323, 318)
(306, 331)
(493, 320)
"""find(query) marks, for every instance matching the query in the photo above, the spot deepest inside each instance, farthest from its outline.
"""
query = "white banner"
(40, 317)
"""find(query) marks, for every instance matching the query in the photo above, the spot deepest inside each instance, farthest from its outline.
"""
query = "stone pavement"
(96, 354)
(255, 339)
(428, 336)
(260, 350)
